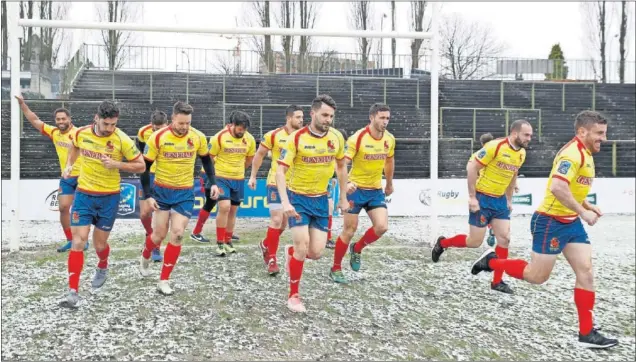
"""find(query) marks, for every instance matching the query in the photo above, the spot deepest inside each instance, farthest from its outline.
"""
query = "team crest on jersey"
(481, 153)
(244, 141)
(564, 167)
(109, 146)
(330, 145)
(386, 145)
(554, 244)
(190, 143)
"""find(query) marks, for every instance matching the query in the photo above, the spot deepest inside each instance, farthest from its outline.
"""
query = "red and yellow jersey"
(275, 141)
(368, 156)
(501, 163)
(63, 143)
(94, 177)
(142, 135)
(175, 156)
(311, 160)
(230, 153)
(573, 164)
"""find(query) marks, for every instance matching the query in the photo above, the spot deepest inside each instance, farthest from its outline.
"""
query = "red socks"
(584, 300)
(220, 235)
(368, 238)
(228, 236)
(203, 217)
(170, 257)
(272, 240)
(338, 253)
(75, 266)
(295, 273)
(329, 223)
(457, 241)
(147, 223)
(502, 253)
(69, 235)
(512, 267)
(102, 255)
(148, 247)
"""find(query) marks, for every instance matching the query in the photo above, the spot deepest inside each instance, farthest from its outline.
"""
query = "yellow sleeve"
(47, 130)
(267, 140)
(151, 151)
(204, 147)
(340, 154)
(128, 148)
(139, 135)
(350, 147)
(251, 151)
(566, 167)
(215, 147)
(288, 154)
(74, 138)
(392, 147)
(485, 155)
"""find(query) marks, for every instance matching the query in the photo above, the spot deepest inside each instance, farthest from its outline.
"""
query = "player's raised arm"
(30, 116)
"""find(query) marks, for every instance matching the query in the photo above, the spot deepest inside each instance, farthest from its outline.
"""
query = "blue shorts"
(98, 210)
(490, 208)
(67, 186)
(366, 199)
(231, 190)
(313, 211)
(179, 200)
(273, 197)
(152, 184)
(550, 236)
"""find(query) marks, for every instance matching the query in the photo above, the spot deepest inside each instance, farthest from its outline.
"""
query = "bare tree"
(393, 41)
(258, 15)
(361, 18)
(621, 42)
(287, 19)
(308, 13)
(116, 41)
(52, 39)
(467, 47)
(26, 43)
(326, 60)
(596, 26)
(418, 10)
(229, 63)
(5, 37)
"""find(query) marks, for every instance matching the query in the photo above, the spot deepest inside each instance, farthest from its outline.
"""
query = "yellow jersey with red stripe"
(573, 164)
(275, 141)
(142, 135)
(63, 143)
(368, 156)
(175, 156)
(94, 178)
(501, 163)
(311, 160)
(230, 153)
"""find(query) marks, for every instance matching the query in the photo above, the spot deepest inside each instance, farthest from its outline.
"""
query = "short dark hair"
(588, 118)
(289, 111)
(158, 118)
(240, 118)
(107, 109)
(323, 98)
(62, 110)
(485, 138)
(378, 107)
(516, 125)
(182, 108)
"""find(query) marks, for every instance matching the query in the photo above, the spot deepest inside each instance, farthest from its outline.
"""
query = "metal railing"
(506, 120)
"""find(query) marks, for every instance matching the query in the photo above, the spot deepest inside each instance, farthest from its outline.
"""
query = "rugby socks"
(457, 241)
(170, 257)
(69, 235)
(271, 241)
(338, 253)
(295, 273)
(584, 300)
(368, 238)
(228, 236)
(329, 223)
(220, 235)
(75, 266)
(147, 223)
(502, 253)
(148, 247)
(203, 217)
(512, 267)
(102, 255)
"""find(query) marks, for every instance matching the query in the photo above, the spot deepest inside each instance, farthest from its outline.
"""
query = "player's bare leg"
(380, 221)
(102, 249)
(159, 232)
(579, 256)
(501, 230)
(75, 265)
(269, 245)
(145, 215)
(474, 239)
(178, 224)
(223, 210)
(342, 245)
(229, 229)
(294, 260)
(65, 202)
(330, 243)
(317, 242)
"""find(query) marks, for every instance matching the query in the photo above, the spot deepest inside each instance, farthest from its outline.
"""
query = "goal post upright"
(14, 53)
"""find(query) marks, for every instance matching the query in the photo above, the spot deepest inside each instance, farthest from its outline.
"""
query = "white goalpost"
(15, 24)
